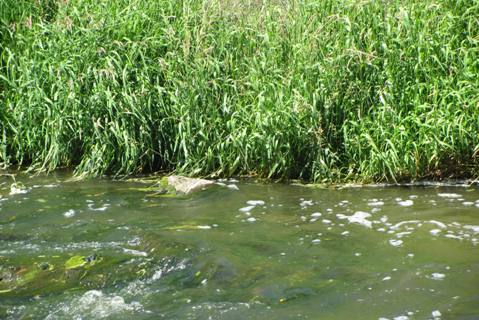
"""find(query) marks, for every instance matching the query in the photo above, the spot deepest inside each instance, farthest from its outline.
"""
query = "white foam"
(255, 202)
(375, 203)
(232, 187)
(438, 223)
(399, 224)
(471, 227)
(387, 278)
(359, 217)
(316, 241)
(468, 203)
(95, 305)
(452, 236)
(438, 276)
(402, 234)
(69, 214)
(435, 232)
(306, 203)
(326, 221)
(251, 219)
(449, 195)
(436, 313)
(316, 214)
(406, 203)
(14, 190)
(395, 243)
(246, 209)
(135, 252)
(90, 206)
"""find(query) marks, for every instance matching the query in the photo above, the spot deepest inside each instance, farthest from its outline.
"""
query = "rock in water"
(187, 185)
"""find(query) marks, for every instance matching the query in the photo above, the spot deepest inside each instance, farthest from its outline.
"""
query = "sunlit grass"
(320, 90)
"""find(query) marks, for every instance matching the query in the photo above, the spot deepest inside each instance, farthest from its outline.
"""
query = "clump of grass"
(319, 90)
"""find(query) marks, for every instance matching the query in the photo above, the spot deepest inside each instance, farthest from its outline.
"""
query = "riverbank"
(315, 90)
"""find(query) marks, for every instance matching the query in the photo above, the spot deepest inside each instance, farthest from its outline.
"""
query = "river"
(105, 249)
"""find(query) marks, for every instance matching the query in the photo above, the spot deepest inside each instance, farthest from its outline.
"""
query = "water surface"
(103, 249)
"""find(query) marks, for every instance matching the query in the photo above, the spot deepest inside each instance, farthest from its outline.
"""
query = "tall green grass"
(324, 90)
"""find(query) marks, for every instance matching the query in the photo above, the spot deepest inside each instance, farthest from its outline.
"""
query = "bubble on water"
(413, 196)
(255, 202)
(316, 241)
(386, 278)
(435, 232)
(316, 214)
(344, 233)
(313, 220)
(205, 227)
(468, 203)
(251, 219)
(326, 221)
(69, 214)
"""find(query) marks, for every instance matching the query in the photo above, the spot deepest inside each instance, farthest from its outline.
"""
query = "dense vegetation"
(312, 89)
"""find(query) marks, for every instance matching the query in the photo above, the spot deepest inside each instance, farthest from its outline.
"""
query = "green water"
(104, 249)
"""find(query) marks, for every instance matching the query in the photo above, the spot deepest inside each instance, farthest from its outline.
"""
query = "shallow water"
(238, 250)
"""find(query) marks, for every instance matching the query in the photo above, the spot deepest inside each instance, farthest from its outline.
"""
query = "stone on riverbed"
(187, 185)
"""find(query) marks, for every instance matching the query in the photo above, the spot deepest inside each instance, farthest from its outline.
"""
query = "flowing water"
(102, 249)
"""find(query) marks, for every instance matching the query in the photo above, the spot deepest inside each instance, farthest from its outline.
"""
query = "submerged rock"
(187, 185)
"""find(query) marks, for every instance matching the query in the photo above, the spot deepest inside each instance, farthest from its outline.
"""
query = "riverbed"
(105, 249)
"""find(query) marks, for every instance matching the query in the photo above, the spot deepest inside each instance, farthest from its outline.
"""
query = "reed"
(328, 90)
